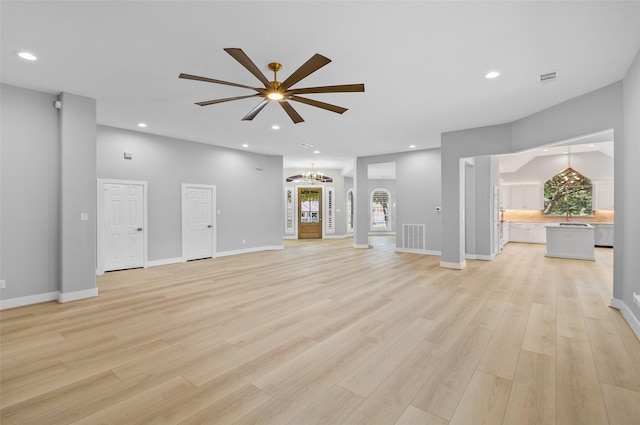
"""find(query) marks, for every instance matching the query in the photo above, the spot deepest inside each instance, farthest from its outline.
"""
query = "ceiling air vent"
(548, 77)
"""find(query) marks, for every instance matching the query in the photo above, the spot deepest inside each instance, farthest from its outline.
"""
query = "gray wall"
(627, 229)
(48, 180)
(29, 193)
(417, 188)
(78, 182)
(249, 191)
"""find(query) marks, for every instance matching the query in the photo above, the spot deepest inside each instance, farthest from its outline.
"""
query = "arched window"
(379, 215)
(350, 211)
(568, 193)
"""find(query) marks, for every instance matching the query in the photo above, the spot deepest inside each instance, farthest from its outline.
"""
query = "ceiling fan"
(280, 92)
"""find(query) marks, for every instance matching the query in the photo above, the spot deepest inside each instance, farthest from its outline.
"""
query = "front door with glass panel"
(309, 213)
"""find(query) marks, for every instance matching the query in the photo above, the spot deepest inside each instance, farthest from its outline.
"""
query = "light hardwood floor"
(322, 333)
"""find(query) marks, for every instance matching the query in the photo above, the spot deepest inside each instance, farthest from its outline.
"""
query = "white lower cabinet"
(527, 232)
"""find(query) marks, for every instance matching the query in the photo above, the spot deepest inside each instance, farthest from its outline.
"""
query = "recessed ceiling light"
(244, 145)
(492, 74)
(412, 146)
(591, 146)
(141, 124)
(275, 127)
(316, 151)
(545, 150)
(27, 56)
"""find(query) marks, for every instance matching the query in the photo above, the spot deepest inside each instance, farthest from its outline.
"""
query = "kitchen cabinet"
(523, 197)
(527, 232)
(603, 234)
(570, 240)
(603, 196)
(504, 233)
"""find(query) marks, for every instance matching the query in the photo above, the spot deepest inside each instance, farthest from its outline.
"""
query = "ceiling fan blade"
(226, 83)
(244, 60)
(318, 104)
(255, 111)
(316, 62)
(227, 99)
(295, 117)
(342, 88)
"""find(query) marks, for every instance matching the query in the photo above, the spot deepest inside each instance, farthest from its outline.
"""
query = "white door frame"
(101, 224)
(214, 218)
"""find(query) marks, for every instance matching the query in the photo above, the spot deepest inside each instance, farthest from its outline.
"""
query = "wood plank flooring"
(321, 333)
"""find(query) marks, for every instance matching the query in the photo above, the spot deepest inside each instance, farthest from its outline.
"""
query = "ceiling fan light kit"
(277, 91)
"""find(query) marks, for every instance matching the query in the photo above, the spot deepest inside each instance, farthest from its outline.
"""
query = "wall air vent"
(548, 77)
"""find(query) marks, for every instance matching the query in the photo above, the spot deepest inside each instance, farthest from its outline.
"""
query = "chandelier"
(310, 177)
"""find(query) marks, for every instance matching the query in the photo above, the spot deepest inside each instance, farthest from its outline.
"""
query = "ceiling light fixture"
(27, 56)
(275, 127)
(244, 145)
(412, 146)
(316, 151)
(492, 74)
(311, 177)
(142, 125)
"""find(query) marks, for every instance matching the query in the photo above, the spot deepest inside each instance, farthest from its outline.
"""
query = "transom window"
(568, 193)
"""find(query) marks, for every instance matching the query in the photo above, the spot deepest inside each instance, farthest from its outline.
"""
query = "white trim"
(335, 236)
(100, 221)
(214, 217)
(290, 237)
(419, 251)
(166, 262)
(77, 295)
(362, 246)
(47, 297)
(480, 257)
(456, 266)
(632, 320)
(31, 299)
(250, 250)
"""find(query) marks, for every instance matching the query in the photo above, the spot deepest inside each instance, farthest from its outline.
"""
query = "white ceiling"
(422, 63)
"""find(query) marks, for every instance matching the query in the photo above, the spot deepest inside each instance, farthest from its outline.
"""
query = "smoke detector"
(548, 77)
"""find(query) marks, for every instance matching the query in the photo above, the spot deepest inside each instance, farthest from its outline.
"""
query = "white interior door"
(123, 226)
(198, 226)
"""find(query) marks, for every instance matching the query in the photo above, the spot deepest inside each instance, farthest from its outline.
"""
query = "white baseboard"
(419, 251)
(289, 237)
(362, 246)
(77, 295)
(632, 320)
(46, 297)
(457, 266)
(480, 257)
(249, 250)
(31, 299)
(165, 262)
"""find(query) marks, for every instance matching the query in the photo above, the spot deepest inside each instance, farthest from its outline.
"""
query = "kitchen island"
(571, 240)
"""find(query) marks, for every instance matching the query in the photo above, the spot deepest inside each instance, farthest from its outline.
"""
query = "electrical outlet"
(3, 284)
